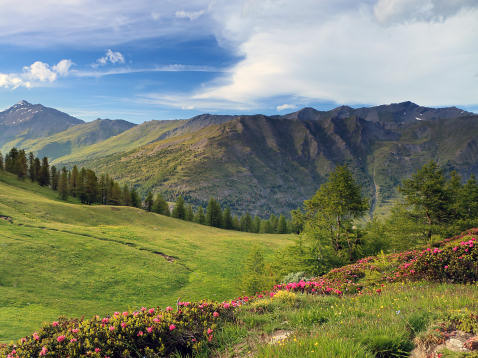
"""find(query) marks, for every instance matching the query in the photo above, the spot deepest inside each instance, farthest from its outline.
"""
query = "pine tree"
(246, 223)
(135, 200)
(55, 177)
(63, 184)
(44, 175)
(200, 218)
(91, 187)
(102, 190)
(189, 213)
(227, 219)
(282, 226)
(214, 214)
(11, 160)
(469, 198)
(256, 224)
(273, 223)
(179, 210)
(36, 169)
(116, 196)
(74, 178)
(81, 185)
(126, 196)
(236, 224)
(31, 167)
(1, 161)
(21, 166)
(160, 206)
(148, 202)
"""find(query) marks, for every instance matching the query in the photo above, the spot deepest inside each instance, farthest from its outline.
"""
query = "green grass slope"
(63, 258)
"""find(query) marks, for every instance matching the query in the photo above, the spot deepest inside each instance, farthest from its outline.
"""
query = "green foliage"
(214, 213)
(149, 202)
(160, 206)
(179, 211)
(200, 218)
(189, 213)
(254, 277)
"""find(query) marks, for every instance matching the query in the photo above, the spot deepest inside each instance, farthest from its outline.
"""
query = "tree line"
(85, 185)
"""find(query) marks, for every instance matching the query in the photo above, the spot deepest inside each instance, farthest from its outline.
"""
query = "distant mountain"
(25, 121)
(270, 164)
(76, 137)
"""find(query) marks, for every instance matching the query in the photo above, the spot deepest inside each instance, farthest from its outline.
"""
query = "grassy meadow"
(63, 258)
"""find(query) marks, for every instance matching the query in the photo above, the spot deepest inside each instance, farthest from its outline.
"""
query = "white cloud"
(110, 56)
(191, 15)
(36, 74)
(285, 106)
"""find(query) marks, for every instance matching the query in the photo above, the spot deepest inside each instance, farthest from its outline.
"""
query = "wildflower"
(54, 324)
(123, 324)
(209, 339)
(209, 331)
(125, 313)
(215, 314)
(112, 328)
(140, 333)
(35, 336)
(446, 266)
(60, 339)
(44, 350)
(149, 329)
(105, 320)
(151, 311)
(23, 340)
(97, 350)
(75, 330)
(73, 340)
(172, 327)
(143, 309)
(227, 305)
(156, 320)
(169, 308)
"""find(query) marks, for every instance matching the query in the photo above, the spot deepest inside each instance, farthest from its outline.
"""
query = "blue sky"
(165, 59)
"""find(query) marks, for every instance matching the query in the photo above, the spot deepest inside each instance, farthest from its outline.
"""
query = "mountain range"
(255, 163)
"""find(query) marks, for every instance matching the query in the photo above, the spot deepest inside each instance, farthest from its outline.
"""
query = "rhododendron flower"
(44, 351)
(35, 336)
(112, 328)
(97, 350)
(227, 305)
(151, 311)
(73, 340)
(123, 324)
(54, 324)
(156, 320)
(125, 313)
(143, 309)
(215, 314)
(75, 330)
(169, 308)
(60, 339)
(23, 340)
(209, 338)
(209, 331)
(446, 266)
(149, 329)
(140, 333)
(105, 320)
(172, 327)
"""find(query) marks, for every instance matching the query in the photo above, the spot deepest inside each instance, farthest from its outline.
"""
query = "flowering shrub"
(144, 333)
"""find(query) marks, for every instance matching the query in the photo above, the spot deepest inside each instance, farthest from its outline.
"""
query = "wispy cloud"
(285, 106)
(191, 15)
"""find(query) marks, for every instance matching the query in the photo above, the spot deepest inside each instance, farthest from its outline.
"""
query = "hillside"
(63, 258)
(270, 164)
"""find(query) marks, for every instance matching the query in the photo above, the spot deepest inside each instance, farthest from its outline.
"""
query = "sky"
(165, 59)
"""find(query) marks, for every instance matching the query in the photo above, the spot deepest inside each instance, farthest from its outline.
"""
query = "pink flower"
(73, 340)
(168, 309)
(23, 340)
(209, 338)
(35, 336)
(151, 311)
(446, 266)
(60, 339)
(140, 333)
(97, 350)
(143, 309)
(149, 329)
(123, 324)
(215, 314)
(209, 331)
(75, 330)
(44, 350)
(54, 324)
(455, 248)
(227, 305)
(112, 328)
(156, 320)
(172, 327)
(125, 313)
(105, 320)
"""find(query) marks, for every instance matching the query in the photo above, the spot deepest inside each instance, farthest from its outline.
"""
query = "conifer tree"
(214, 214)
(81, 185)
(102, 190)
(236, 225)
(126, 196)
(148, 202)
(21, 165)
(116, 196)
(189, 213)
(282, 225)
(256, 224)
(55, 177)
(1, 161)
(469, 198)
(91, 187)
(11, 160)
(135, 200)
(246, 223)
(160, 206)
(63, 184)
(36, 169)
(74, 181)
(227, 219)
(31, 167)
(200, 218)
(179, 210)
(44, 175)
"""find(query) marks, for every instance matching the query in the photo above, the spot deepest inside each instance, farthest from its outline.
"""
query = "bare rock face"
(457, 341)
